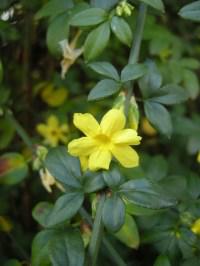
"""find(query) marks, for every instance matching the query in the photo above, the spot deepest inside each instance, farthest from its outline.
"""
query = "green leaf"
(151, 81)
(7, 131)
(191, 83)
(128, 234)
(41, 212)
(106, 69)
(13, 168)
(89, 17)
(143, 193)
(136, 210)
(1, 71)
(105, 4)
(63, 167)
(12, 262)
(112, 178)
(57, 31)
(113, 213)
(53, 8)
(191, 11)
(67, 249)
(193, 185)
(96, 41)
(156, 168)
(160, 118)
(132, 72)
(170, 94)
(51, 247)
(93, 182)
(104, 88)
(190, 63)
(122, 30)
(65, 208)
(162, 260)
(157, 4)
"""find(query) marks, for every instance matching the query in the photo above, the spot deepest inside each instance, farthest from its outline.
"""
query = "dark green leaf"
(65, 208)
(104, 88)
(191, 11)
(41, 212)
(112, 178)
(151, 81)
(93, 182)
(132, 72)
(122, 30)
(129, 234)
(162, 260)
(193, 185)
(63, 167)
(143, 193)
(157, 4)
(171, 94)
(7, 131)
(89, 17)
(158, 115)
(53, 8)
(113, 213)
(96, 41)
(105, 4)
(136, 210)
(190, 63)
(57, 31)
(106, 69)
(67, 249)
(1, 71)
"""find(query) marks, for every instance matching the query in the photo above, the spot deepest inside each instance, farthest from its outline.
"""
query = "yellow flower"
(53, 97)
(104, 140)
(48, 180)
(196, 227)
(52, 131)
(70, 54)
(147, 128)
(198, 157)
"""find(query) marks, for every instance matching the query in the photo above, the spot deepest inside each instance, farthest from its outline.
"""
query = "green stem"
(112, 253)
(97, 232)
(20, 131)
(135, 49)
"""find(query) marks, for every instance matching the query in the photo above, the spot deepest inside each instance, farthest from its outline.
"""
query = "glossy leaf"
(96, 41)
(63, 167)
(160, 118)
(89, 17)
(93, 182)
(157, 4)
(191, 11)
(122, 30)
(106, 69)
(104, 88)
(113, 213)
(65, 208)
(132, 72)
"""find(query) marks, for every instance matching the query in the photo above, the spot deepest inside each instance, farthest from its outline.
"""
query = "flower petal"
(114, 120)
(127, 156)
(86, 123)
(52, 121)
(82, 146)
(126, 136)
(42, 129)
(99, 159)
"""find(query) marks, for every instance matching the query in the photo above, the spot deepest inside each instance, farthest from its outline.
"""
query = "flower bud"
(124, 9)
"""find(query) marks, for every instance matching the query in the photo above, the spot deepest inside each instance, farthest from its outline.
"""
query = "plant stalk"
(135, 49)
(112, 253)
(97, 232)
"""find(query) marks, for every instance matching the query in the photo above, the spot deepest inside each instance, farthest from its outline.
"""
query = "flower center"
(103, 140)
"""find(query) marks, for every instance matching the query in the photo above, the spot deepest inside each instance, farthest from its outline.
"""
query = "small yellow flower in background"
(147, 128)
(196, 227)
(104, 140)
(70, 54)
(52, 96)
(198, 157)
(53, 132)
(48, 180)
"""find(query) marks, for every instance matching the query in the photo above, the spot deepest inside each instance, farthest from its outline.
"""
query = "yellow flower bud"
(195, 228)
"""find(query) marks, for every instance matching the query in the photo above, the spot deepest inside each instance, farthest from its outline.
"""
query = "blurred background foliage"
(33, 91)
